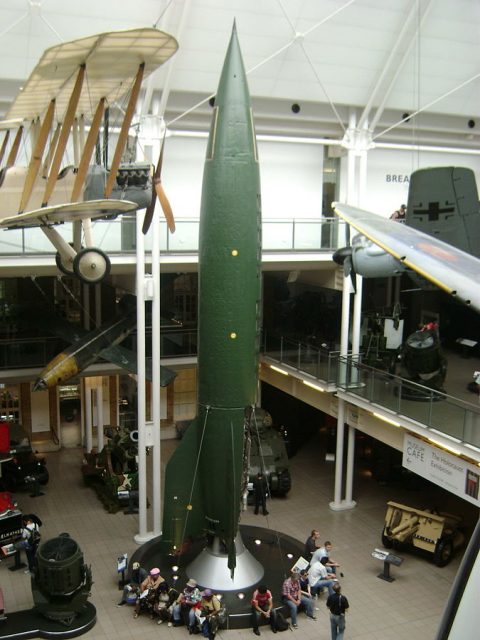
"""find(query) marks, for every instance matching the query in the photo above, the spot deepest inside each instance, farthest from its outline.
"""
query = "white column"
(156, 415)
(142, 535)
(348, 503)
(88, 418)
(100, 420)
(336, 505)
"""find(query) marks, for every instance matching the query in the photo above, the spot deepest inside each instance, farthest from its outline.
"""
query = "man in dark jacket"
(260, 489)
(338, 604)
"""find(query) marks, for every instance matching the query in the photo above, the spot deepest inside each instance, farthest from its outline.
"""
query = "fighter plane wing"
(127, 359)
(70, 212)
(86, 349)
(450, 269)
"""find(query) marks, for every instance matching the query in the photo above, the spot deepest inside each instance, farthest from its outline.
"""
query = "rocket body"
(204, 477)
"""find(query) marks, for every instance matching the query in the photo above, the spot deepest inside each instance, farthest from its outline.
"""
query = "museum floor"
(407, 609)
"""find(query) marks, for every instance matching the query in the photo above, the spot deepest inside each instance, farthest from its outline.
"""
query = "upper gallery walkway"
(285, 243)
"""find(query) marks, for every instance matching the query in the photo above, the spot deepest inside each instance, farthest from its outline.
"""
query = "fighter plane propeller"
(343, 257)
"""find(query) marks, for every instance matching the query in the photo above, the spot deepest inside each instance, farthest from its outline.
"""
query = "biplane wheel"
(91, 265)
(65, 267)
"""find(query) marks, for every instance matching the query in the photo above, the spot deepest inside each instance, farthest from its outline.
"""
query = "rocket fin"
(183, 514)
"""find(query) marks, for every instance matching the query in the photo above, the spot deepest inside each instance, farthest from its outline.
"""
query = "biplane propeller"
(159, 192)
(57, 102)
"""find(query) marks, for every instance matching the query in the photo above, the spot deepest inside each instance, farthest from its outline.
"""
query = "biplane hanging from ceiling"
(63, 104)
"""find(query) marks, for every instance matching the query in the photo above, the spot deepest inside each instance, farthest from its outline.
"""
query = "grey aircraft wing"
(450, 269)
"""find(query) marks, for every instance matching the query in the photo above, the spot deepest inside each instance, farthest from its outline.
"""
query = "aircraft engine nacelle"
(370, 261)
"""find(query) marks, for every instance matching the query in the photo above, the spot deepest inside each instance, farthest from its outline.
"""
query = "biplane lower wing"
(452, 270)
(70, 212)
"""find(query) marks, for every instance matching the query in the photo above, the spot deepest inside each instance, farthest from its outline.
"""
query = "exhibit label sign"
(443, 469)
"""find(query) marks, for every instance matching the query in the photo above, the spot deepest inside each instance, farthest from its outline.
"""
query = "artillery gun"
(113, 472)
(436, 533)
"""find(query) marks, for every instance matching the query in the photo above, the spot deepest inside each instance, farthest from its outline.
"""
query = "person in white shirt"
(31, 541)
(318, 577)
(325, 552)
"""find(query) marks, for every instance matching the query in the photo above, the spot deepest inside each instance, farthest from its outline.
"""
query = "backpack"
(34, 538)
(281, 622)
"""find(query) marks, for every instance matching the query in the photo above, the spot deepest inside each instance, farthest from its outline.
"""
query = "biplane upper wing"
(111, 62)
(57, 214)
(449, 268)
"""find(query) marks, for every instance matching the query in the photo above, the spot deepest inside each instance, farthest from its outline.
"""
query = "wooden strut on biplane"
(56, 103)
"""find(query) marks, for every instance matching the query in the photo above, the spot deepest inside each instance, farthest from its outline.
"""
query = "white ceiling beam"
(391, 69)
(167, 85)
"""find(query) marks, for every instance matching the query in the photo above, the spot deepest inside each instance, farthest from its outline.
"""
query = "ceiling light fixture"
(278, 370)
(385, 419)
(445, 435)
(313, 386)
(445, 446)
(471, 446)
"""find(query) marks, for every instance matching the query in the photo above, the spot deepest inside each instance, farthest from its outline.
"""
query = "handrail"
(449, 415)
(118, 236)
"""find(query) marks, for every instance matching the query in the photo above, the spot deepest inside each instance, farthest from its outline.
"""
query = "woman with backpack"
(30, 540)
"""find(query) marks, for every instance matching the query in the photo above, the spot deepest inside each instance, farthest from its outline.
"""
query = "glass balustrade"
(447, 414)
(118, 236)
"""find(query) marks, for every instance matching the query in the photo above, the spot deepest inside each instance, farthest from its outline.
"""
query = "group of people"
(322, 573)
(198, 610)
(299, 591)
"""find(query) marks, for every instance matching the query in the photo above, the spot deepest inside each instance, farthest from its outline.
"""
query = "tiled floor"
(407, 609)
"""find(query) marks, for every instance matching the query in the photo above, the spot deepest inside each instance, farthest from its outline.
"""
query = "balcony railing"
(115, 236)
(449, 415)
(318, 362)
(34, 353)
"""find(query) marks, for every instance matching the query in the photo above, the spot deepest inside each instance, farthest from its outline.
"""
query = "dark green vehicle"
(267, 452)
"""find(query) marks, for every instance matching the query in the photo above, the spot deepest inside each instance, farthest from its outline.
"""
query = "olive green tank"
(268, 454)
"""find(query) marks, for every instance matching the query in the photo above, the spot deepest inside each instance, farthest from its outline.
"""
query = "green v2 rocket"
(205, 476)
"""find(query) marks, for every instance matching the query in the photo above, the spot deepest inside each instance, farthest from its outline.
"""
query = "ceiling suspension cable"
(271, 57)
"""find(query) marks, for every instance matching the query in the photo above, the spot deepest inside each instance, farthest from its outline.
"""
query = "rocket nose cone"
(39, 385)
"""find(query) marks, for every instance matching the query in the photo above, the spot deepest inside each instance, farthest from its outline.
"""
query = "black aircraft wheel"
(386, 541)
(443, 552)
(91, 265)
(65, 267)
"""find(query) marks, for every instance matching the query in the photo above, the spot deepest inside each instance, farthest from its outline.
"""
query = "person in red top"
(262, 607)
